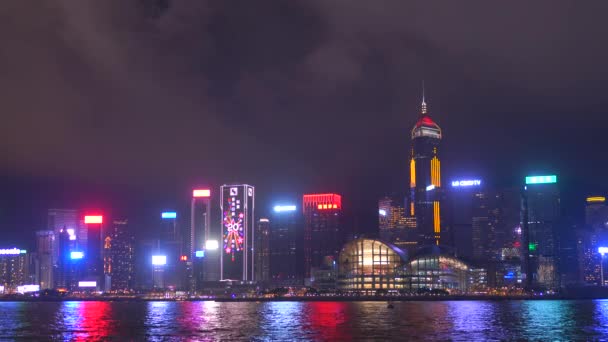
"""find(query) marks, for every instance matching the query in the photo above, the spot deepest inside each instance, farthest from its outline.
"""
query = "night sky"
(128, 105)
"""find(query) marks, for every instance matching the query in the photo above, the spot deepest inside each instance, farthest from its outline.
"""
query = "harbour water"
(546, 320)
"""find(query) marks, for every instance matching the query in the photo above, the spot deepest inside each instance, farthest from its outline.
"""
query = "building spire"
(423, 106)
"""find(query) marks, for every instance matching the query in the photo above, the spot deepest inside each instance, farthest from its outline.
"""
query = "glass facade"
(437, 272)
(369, 265)
(366, 264)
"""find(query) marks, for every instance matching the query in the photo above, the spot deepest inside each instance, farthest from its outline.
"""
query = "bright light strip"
(11, 251)
(168, 215)
(87, 284)
(28, 288)
(602, 250)
(430, 187)
(264, 220)
(382, 212)
(282, 208)
(212, 245)
(159, 260)
(201, 193)
(71, 234)
(93, 219)
(466, 182)
(76, 255)
(596, 199)
(541, 179)
(199, 254)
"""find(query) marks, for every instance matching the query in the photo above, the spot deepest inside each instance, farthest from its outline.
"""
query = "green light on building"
(541, 179)
(531, 247)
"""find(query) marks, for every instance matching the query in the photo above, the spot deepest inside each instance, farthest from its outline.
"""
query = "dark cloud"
(296, 95)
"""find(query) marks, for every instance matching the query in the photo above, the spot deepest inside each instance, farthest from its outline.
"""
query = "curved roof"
(402, 254)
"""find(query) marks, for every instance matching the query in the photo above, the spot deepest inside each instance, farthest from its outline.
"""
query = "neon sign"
(159, 260)
(430, 187)
(212, 245)
(541, 179)
(602, 250)
(93, 219)
(199, 254)
(76, 255)
(282, 208)
(87, 284)
(12, 251)
(596, 199)
(201, 193)
(233, 235)
(466, 182)
(168, 215)
(327, 206)
(28, 288)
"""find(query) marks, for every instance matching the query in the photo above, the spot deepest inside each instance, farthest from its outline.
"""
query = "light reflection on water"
(289, 321)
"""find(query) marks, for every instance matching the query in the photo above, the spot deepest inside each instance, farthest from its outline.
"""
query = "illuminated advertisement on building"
(234, 235)
(237, 217)
(466, 182)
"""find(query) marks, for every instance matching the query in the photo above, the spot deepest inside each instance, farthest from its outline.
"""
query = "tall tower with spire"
(425, 178)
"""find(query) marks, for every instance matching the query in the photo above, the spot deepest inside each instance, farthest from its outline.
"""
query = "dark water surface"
(298, 321)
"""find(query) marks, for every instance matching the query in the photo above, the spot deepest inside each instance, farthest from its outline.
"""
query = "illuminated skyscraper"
(93, 252)
(200, 220)
(286, 246)
(425, 178)
(119, 260)
(171, 245)
(593, 235)
(540, 214)
(200, 268)
(323, 231)
(45, 247)
(13, 268)
(394, 223)
(64, 219)
(64, 272)
(237, 207)
(262, 250)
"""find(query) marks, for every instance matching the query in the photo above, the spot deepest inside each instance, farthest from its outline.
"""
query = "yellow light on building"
(596, 199)
(412, 173)
(435, 172)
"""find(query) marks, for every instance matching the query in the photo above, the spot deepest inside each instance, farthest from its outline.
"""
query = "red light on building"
(322, 201)
(93, 219)
(201, 193)
(183, 258)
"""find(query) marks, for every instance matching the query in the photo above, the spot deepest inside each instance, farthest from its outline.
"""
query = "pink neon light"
(201, 193)
(93, 219)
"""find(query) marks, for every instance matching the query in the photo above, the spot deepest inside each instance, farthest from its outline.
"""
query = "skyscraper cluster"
(462, 234)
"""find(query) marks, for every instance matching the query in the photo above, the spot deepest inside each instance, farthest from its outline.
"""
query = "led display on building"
(237, 236)
(466, 182)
